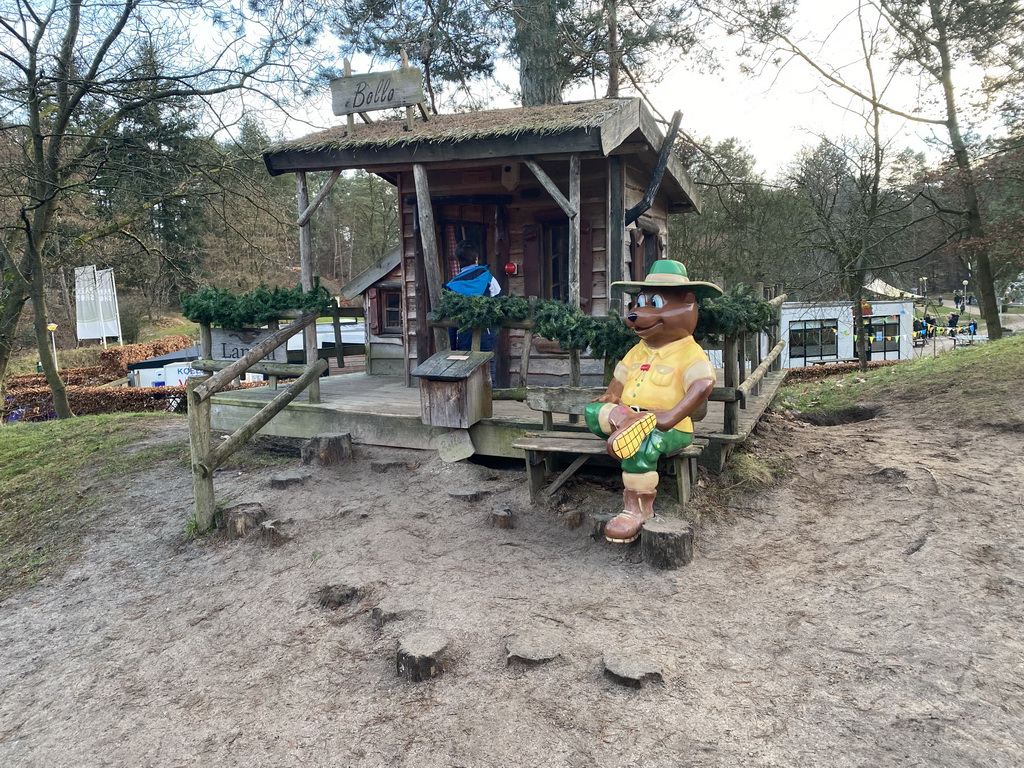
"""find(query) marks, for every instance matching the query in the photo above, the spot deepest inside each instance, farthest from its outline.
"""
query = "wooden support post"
(731, 363)
(616, 232)
(741, 356)
(205, 342)
(350, 119)
(311, 346)
(339, 345)
(431, 255)
(574, 258)
(524, 359)
(199, 434)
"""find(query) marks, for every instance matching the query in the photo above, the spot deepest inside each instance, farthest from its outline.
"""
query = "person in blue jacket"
(473, 279)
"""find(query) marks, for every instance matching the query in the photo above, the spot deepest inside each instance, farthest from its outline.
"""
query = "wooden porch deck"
(381, 410)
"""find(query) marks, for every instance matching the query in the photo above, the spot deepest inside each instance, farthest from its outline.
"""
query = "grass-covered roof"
(467, 126)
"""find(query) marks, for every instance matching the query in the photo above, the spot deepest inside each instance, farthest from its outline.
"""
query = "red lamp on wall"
(511, 269)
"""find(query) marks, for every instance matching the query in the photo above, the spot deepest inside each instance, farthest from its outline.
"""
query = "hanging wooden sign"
(377, 90)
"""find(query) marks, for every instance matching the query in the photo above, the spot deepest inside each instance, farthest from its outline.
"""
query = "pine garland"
(217, 306)
(606, 337)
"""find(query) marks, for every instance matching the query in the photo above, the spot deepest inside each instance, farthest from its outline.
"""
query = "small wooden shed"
(553, 195)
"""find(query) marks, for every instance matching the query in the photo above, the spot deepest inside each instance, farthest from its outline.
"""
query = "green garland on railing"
(606, 337)
(217, 306)
(736, 311)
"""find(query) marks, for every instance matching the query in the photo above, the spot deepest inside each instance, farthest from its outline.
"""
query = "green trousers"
(654, 446)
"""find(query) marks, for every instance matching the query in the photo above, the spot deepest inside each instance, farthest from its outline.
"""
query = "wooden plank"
(569, 472)
(376, 90)
(566, 205)
(431, 254)
(307, 214)
(659, 171)
(619, 126)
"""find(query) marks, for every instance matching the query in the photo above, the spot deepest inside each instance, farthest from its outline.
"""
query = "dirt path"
(864, 612)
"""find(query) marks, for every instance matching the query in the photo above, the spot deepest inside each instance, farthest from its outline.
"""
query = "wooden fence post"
(199, 432)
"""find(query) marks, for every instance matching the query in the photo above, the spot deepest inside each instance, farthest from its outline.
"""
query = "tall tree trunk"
(613, 49)
(37, 292)
(537, 44)
(9, 317)
(984, 279)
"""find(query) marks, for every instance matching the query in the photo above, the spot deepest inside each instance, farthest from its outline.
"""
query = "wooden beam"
(306, 266)
(616, 233)
(431, 255)
(758, 373)
(574, 259)
(220, 454)
(217, 382)
(552, 188)
(307, 214)
(659, 171)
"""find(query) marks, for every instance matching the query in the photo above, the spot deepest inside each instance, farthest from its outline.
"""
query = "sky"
(775, 114)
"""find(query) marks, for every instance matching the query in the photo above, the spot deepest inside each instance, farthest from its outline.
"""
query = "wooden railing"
(200, 389)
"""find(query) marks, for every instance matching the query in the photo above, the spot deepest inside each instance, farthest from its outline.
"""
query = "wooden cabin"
(553, 195)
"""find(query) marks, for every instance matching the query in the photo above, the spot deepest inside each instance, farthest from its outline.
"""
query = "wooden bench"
(542, 447)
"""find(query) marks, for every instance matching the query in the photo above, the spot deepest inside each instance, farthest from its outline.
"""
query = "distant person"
(952, 322)
(972, 327)
(473, 279)
(929, 326)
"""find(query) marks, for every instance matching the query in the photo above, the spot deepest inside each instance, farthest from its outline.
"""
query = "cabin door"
(456, 223)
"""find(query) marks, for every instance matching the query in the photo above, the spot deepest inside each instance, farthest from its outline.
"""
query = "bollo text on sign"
(377, 90)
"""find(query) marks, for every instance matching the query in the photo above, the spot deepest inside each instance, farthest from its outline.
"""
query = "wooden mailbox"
(455, 388)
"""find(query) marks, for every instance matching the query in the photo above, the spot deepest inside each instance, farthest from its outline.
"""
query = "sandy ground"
(865, 611)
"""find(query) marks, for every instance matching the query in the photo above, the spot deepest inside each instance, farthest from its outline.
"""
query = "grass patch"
(978, 386)
(48, 492)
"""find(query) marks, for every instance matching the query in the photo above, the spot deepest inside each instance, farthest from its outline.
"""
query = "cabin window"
(555, 275)
(391, 311)
(813, 339)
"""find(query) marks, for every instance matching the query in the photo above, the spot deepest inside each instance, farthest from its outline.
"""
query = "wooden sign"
(232, 345)
(454, 446)
(377, 90)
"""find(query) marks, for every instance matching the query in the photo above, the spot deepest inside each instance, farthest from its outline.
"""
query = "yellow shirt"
(657, 379)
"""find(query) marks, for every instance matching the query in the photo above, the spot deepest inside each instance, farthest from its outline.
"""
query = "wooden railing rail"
(199, 391)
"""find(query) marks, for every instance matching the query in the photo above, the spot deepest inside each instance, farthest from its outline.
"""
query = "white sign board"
(96, 304)
(176, 374)
(233, 345)
(377, 90)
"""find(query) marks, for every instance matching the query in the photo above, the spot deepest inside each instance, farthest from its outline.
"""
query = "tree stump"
(666, 543)
(242, 519)
(421, 656)
(328, 450)
(502, 518)
(288, 478)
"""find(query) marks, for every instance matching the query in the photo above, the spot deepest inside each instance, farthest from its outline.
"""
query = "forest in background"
(125, 144)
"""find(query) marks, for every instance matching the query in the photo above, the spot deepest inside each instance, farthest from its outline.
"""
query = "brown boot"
(638, 499)
(626, 440)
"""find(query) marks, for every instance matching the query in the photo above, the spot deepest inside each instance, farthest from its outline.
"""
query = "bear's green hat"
(666, 273)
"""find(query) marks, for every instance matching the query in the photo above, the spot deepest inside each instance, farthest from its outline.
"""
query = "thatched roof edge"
(548, 120)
